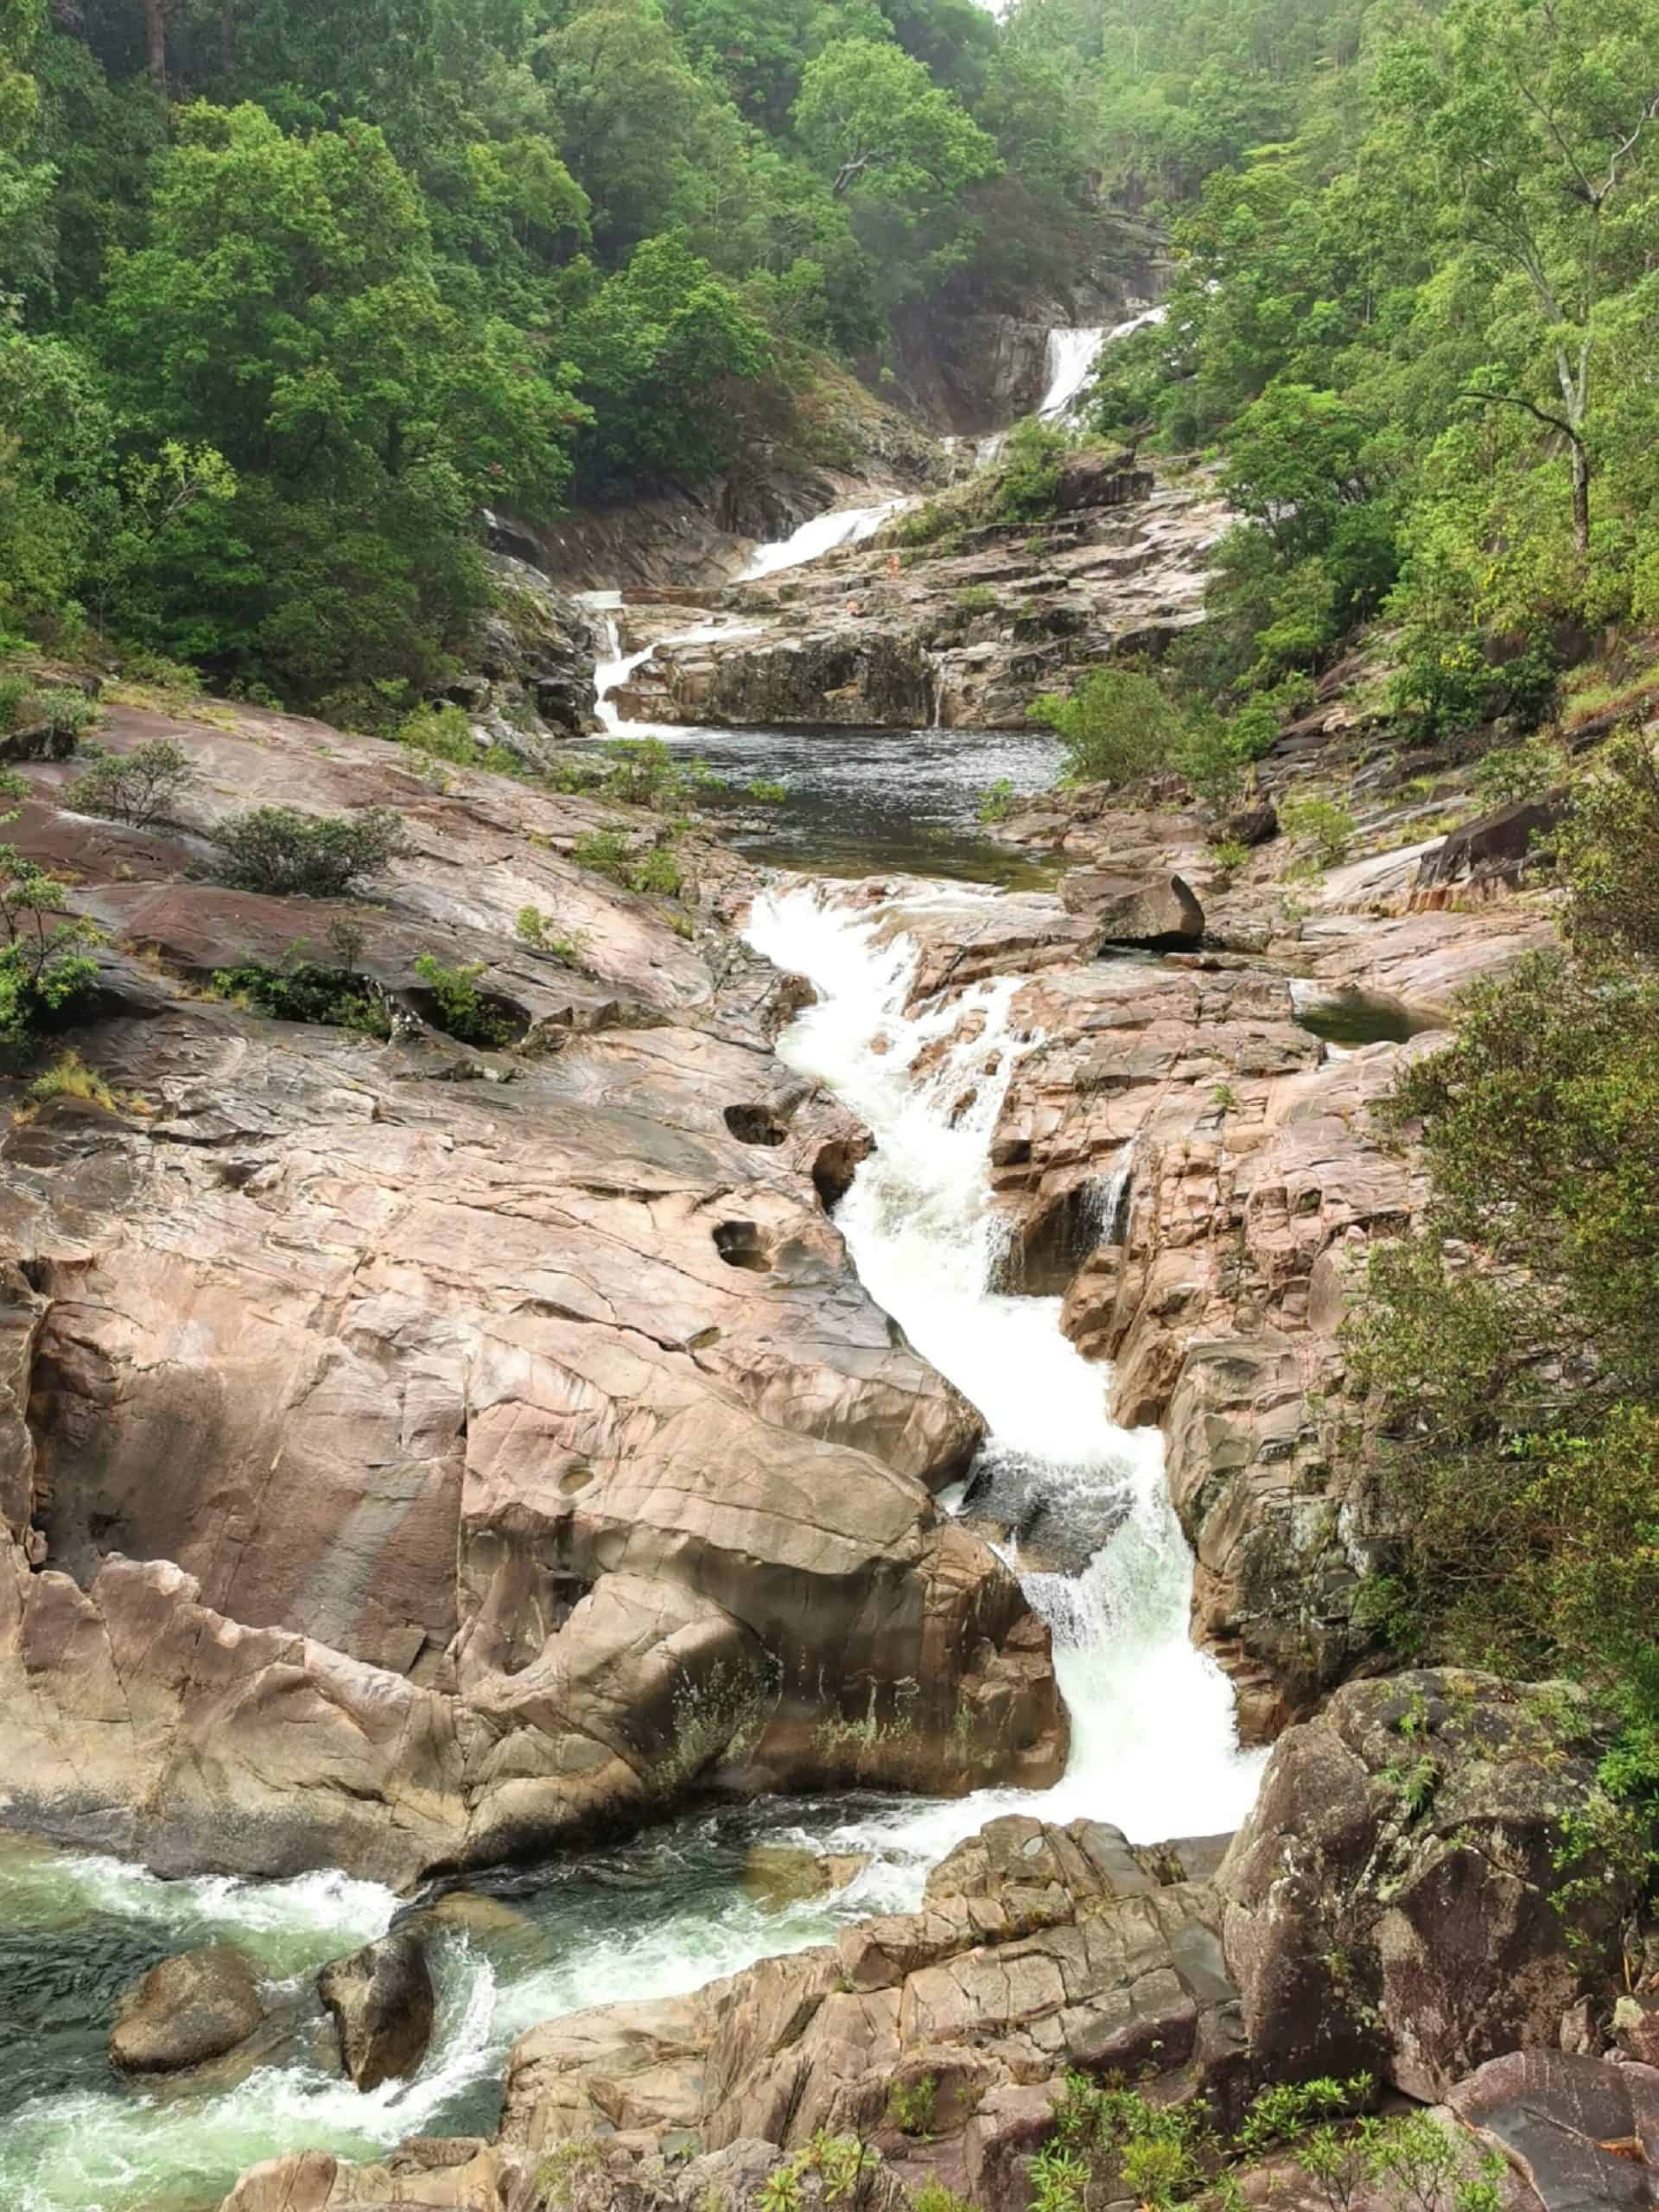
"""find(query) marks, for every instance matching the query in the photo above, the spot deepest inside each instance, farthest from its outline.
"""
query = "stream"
(1153, 1748)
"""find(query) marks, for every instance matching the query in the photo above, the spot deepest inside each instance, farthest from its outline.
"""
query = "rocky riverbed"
(787, 1357)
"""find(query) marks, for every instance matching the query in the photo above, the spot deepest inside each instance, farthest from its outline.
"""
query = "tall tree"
(1540, 116)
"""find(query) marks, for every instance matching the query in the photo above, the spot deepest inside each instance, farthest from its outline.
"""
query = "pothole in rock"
(755, 1124)
(741, 1244)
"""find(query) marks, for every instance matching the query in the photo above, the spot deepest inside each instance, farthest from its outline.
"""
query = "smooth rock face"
(1579, 2132)
(186, 2010)
(1397, 1900)
(382, 2003)
(430, 1454)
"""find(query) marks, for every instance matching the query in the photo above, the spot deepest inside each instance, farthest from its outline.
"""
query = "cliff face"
(417, 1452)
(964, 631)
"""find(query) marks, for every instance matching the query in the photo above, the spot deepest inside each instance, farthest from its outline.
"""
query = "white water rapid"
(1074, 355)
(1154, 1747)
(825, 533)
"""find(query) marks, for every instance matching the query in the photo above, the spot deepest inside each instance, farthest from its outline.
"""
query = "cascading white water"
(1071, 358)
(1154, 1745)
(824, 533)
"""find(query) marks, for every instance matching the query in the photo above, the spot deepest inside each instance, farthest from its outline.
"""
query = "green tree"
(1539, 119)
(878, 126)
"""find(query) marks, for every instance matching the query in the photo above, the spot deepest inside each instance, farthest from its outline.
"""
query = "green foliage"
(997, 801)
(534, 929)
(443, 732)
(306, 990)
(69, 1077)
(137, 787)
(878, 127)
(1110, 2143)
(291, 855)
(605, 851)
(976, 599)
(842, 2163)
(1116, 728)
(1517, 771)
(461, 1009)
(659, 872)
(910, 2105)
(1323, 828)
(47, 964)
(1028, 474)
(1511, 1352)
(646, 771)
(767, 792)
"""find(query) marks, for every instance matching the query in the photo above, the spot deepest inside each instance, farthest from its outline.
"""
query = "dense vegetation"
(288, 291)
(1512, 1350)
(1414, 298)
(1412, 322)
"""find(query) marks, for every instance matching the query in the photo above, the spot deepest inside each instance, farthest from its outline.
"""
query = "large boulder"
(1575, 2130)
(1133, 907)
(1496, 845)
(423, 1454)
(1418, 1889)
(186, 2010)
(382, 2002)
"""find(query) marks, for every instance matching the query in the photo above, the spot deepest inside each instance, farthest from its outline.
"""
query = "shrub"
(137, 787)
(1511, 1351)
(1230, 854)
(996, 802)
(176, 681)
(910, 2105)
(71, 1077)
(1517, 771)
(307, 991)
(46, 963)
(766, 793)
(1607, 851)
(660, 872)
(15, 692)
(1030, 471)
(1116, 726)
(604, 851)
(534, 928)
(976, 599)
(64, 714)
(462, 1009)
(1324, 826)
(443, 732)
(645, 772)
(280, 850)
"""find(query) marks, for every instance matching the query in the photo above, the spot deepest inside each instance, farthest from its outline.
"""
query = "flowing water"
(825, 533)
(1153, 1743)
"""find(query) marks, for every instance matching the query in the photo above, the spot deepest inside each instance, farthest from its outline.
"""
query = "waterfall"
(1074, 355)
(1153, 1744)
(824, 533)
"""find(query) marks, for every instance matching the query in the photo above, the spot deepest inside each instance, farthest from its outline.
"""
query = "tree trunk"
(228, 37)
(1580, 497)
(155, 44)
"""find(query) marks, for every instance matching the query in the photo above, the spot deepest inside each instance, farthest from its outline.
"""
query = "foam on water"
(1154, 1745)
(824, 533)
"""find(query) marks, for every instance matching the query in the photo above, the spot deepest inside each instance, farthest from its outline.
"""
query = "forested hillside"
(291, 290)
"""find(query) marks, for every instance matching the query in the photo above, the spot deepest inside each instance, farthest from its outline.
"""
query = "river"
(1153, 1743)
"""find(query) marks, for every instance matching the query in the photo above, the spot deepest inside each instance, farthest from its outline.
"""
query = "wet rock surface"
(381, 2001)
(962, 634)
(430, 1452)
(191, 2008)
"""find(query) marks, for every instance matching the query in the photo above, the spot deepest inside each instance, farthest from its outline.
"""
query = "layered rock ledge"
(417, 1454)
